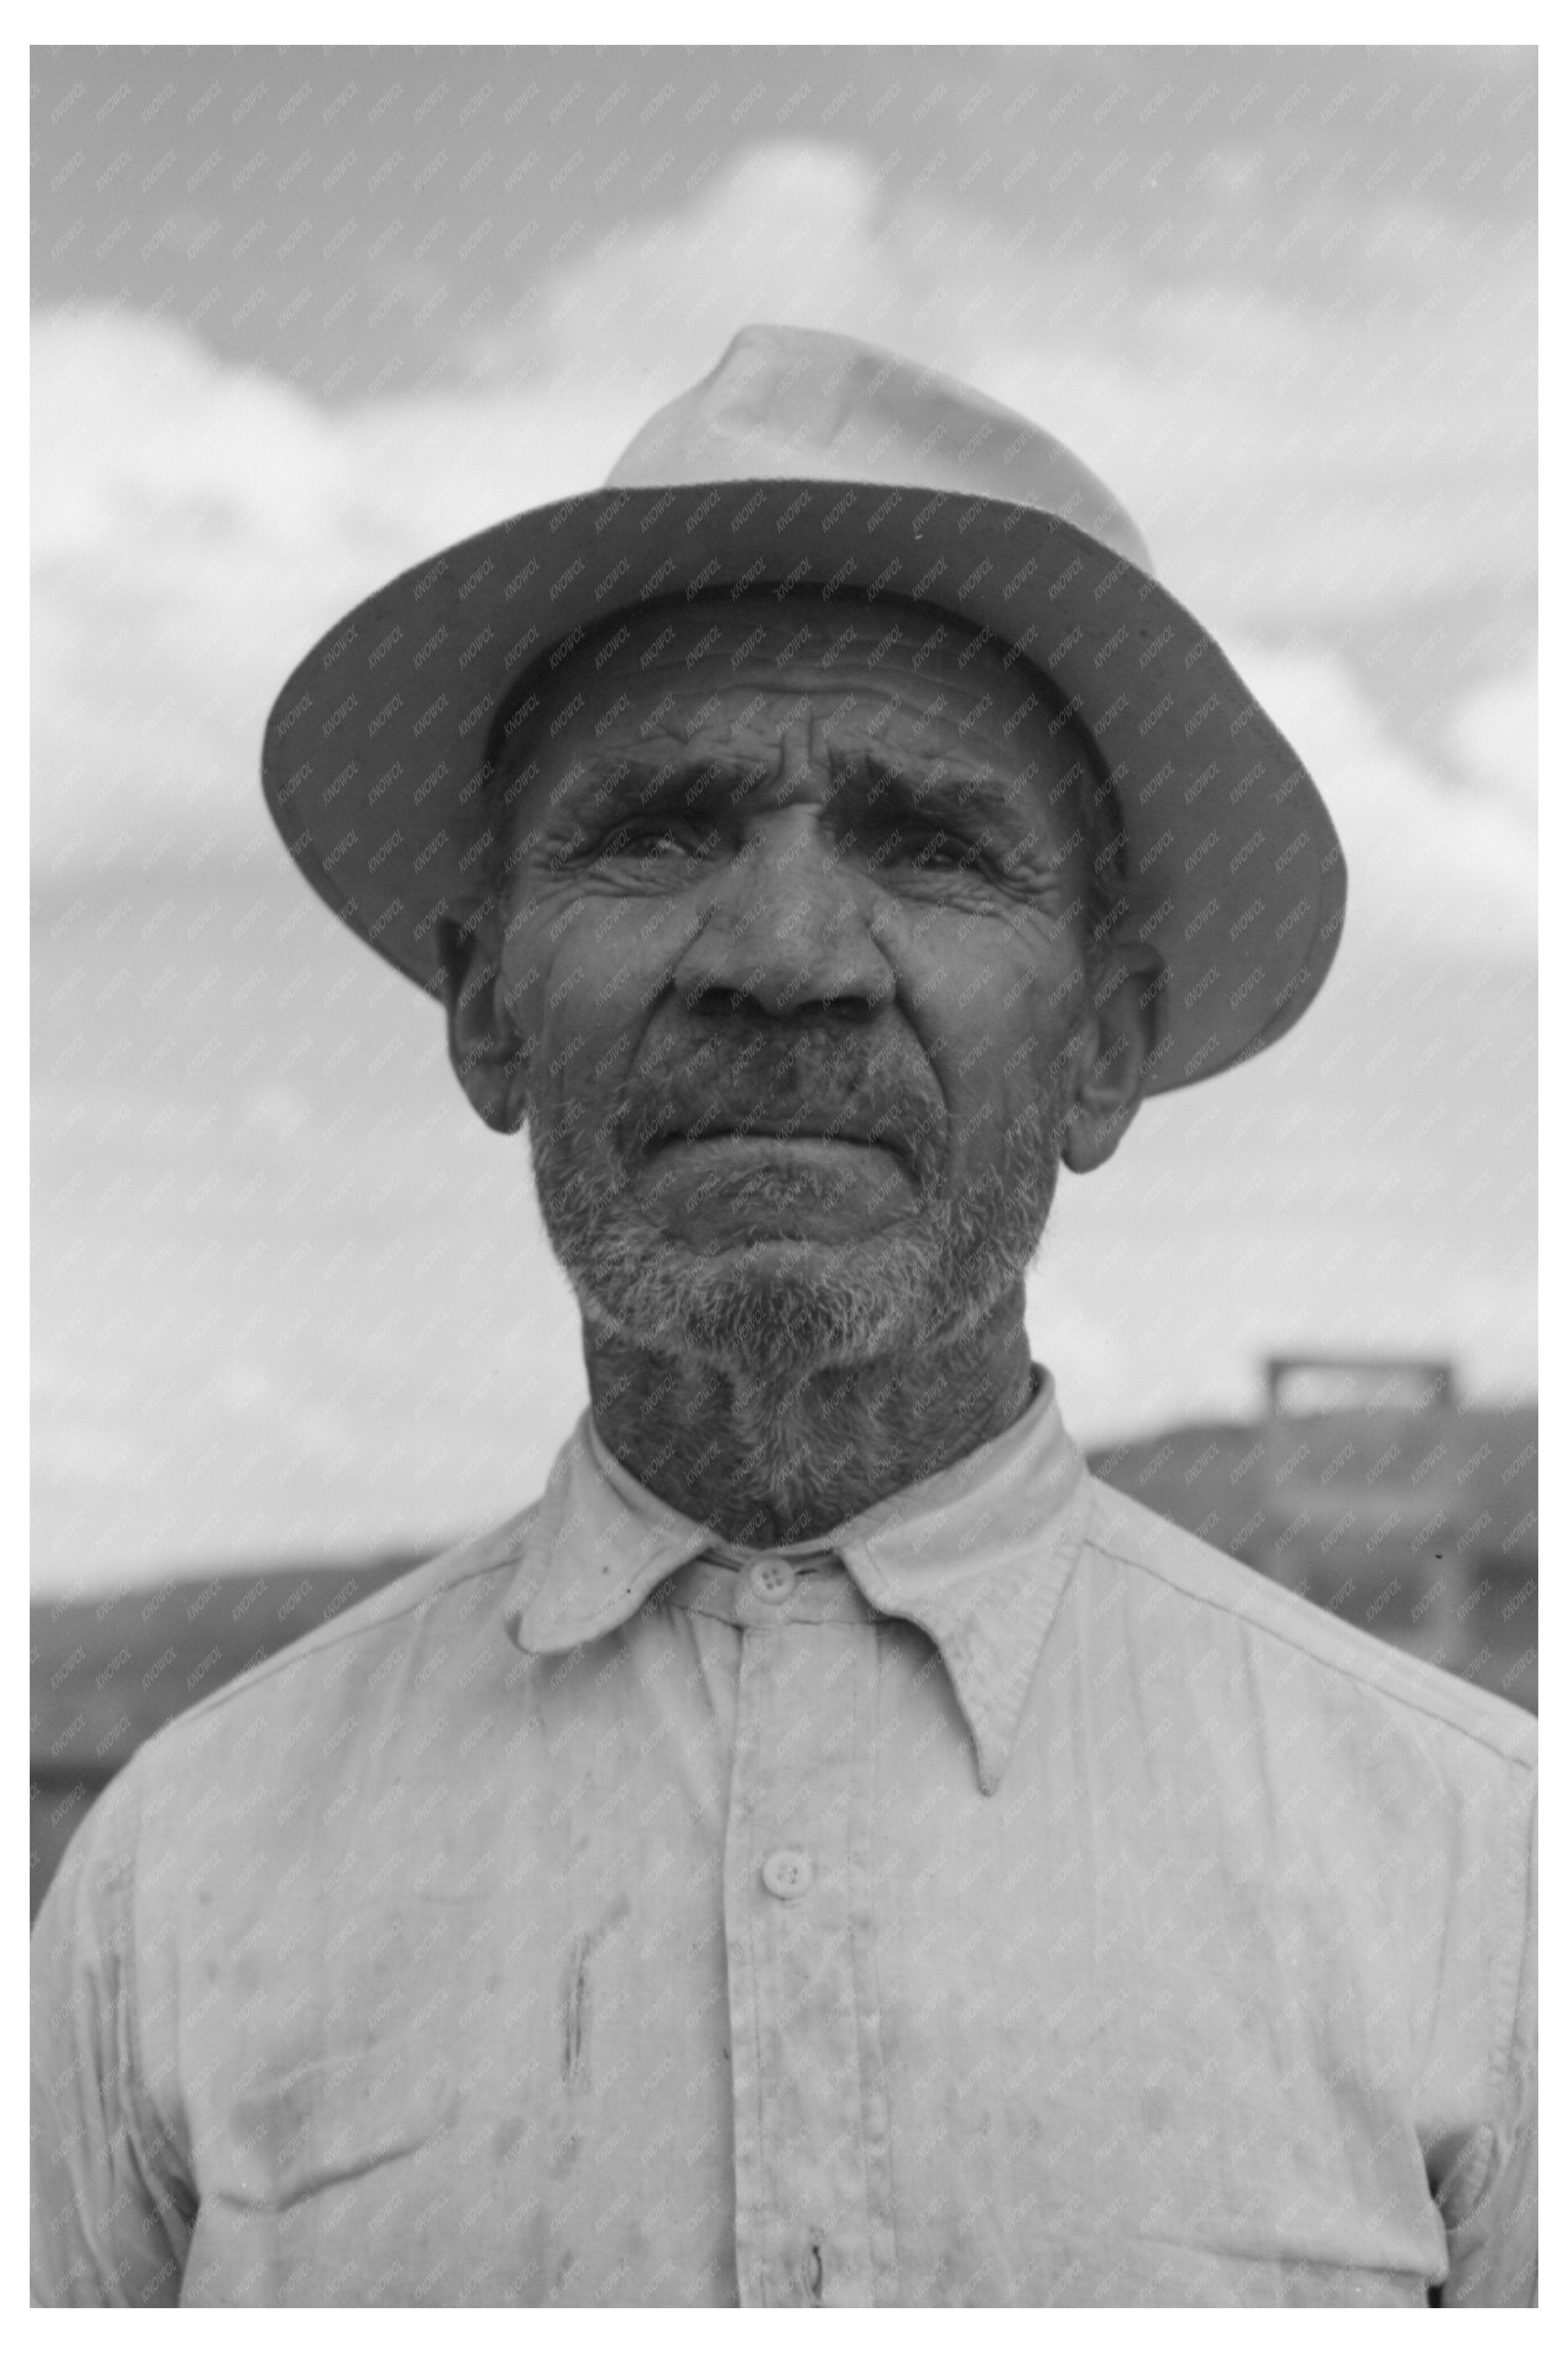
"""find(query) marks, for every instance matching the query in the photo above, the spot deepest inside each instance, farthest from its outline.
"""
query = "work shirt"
(1006, 1900)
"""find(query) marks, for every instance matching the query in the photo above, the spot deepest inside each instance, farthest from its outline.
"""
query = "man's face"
(795, 952)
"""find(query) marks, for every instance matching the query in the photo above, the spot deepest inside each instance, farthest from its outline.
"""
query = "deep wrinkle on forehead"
(922, 668)
(929, 714)
(674, 731)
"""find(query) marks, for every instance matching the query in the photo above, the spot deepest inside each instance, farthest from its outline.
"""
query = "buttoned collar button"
(771, 1581)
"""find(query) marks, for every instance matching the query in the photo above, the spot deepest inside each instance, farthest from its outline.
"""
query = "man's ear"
(489, 1059)
(1117, 1056)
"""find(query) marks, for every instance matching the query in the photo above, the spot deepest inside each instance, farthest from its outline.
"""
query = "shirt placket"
(809, 2214)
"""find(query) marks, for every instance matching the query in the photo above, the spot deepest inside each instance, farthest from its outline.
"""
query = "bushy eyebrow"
(633, 785)
(871, 783)
(959, 797)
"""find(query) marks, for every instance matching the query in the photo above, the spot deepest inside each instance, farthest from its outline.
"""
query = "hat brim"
(374, 751)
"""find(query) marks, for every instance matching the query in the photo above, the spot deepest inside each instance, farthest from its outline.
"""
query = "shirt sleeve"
(111, 2212)
(1491, 2218)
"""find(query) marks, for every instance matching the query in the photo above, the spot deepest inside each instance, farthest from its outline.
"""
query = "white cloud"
(196, 528)
(1436, 868)
(1493, 737)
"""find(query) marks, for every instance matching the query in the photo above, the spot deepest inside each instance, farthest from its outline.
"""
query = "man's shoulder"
(1289, 1638)
(454, 1595)
(287, 1731)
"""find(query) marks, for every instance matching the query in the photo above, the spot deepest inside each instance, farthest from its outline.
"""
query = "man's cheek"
(590, 1020)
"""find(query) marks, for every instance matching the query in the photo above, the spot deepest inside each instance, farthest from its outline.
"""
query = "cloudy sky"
(303, 317)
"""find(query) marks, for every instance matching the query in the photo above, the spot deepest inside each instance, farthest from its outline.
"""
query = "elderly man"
(828, 1849)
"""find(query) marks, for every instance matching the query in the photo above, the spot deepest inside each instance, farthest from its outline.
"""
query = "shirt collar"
(978, 1558)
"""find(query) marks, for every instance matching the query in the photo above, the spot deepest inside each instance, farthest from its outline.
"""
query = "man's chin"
(779, 1306)
(804, 1234)
(784, 1291)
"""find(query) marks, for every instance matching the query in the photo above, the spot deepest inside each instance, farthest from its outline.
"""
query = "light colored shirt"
(1008, 1901)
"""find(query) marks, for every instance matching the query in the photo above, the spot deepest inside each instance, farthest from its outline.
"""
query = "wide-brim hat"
(814, 464)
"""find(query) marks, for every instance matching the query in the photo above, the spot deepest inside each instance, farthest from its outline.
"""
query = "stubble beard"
(772, 1314)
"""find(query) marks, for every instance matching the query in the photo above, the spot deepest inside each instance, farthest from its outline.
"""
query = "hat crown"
(788, 402)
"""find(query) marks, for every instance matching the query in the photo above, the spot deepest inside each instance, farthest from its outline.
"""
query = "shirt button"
(771, 1581)
(787, 1872)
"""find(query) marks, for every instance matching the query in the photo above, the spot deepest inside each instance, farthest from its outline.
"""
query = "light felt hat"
(812, 463)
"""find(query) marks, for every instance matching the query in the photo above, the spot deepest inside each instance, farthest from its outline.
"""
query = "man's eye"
(926, 846)
(656, 839)
(637, 840)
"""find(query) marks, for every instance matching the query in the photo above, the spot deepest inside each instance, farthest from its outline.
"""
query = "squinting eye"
(656, 841)
(642, 841)
(927, 846)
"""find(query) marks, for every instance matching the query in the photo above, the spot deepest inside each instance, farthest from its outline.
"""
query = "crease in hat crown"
(788, 402)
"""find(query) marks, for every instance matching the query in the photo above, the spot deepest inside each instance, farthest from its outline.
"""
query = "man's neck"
(778, 1464)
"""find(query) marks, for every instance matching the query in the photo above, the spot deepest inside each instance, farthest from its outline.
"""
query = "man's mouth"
(769, 1180)
(771, 1135)
(775, 1131)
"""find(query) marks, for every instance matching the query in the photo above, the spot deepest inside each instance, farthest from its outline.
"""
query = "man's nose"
(786, 930)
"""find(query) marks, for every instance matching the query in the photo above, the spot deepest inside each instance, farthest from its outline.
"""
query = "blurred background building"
(301, 316)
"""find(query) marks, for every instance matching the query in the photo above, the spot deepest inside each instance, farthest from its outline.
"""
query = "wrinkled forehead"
(893, 659)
